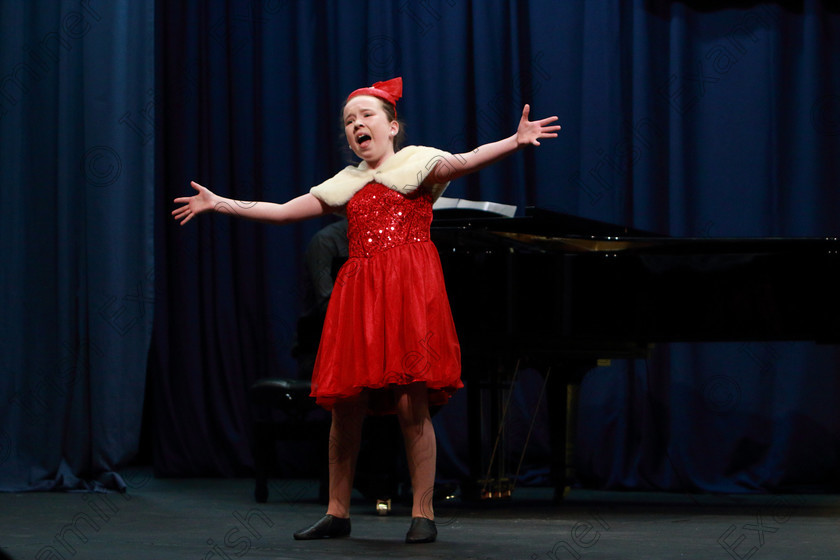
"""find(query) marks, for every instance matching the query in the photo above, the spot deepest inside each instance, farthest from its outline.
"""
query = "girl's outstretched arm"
(300, 208)
(528, 133)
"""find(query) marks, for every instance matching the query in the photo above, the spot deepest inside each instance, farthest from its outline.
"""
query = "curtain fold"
(76, 235)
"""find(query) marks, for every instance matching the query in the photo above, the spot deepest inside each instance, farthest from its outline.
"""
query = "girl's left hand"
(203, 201)
(530, 132)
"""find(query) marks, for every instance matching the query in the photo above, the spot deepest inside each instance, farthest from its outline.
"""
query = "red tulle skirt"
(388, 323)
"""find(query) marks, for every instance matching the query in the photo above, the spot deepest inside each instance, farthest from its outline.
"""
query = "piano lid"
(536, 221)
(549, 231)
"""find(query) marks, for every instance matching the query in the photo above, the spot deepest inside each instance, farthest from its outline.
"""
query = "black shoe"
(422, 530)
(329, 527)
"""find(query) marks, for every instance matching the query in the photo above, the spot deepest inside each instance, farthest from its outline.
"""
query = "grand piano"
(560, 293)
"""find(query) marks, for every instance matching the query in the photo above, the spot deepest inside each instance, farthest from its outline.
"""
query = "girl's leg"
(420, 445)
(345, 440)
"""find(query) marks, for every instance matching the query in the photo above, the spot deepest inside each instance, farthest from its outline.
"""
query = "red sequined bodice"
(380, 218)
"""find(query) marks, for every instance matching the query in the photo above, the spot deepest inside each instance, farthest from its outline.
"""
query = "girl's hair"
(391, 113)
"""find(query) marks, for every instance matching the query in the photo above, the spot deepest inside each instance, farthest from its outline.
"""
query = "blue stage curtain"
(687, 118)
(76, 237)
(712, 119)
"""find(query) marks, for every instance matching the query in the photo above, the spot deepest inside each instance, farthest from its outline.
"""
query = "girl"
(388, 344)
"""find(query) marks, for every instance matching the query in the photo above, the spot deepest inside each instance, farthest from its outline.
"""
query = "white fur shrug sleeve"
(404, 172)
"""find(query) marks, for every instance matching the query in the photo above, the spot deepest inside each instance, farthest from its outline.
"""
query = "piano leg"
(562, 389)
(572, 401)
(474, 429)
(560, 397)
(488, 473)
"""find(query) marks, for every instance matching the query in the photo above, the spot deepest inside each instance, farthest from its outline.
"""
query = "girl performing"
(389, 343)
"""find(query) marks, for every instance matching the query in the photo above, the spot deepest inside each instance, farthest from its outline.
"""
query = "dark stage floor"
(218, 519)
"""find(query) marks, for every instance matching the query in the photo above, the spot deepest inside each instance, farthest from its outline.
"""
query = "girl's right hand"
(199, 203)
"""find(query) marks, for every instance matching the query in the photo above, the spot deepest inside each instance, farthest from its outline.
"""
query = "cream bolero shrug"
(403, 172)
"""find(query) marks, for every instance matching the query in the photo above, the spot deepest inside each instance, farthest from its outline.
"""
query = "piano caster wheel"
(383, 507)
(496, 489)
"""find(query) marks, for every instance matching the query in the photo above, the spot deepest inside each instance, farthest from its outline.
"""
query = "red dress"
(388, 320)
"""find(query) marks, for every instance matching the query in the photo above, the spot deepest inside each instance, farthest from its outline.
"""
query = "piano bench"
(282, 410)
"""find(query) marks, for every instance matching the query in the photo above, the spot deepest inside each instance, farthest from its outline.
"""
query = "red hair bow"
(390, 91)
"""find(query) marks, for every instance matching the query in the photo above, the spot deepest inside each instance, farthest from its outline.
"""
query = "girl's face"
(369, 131)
